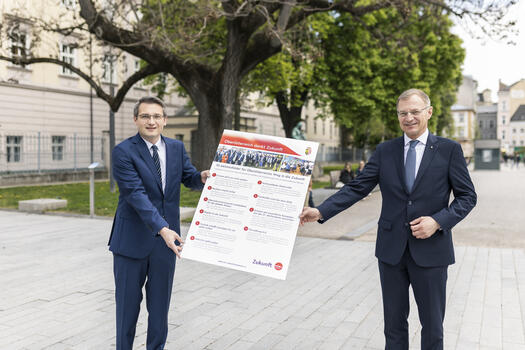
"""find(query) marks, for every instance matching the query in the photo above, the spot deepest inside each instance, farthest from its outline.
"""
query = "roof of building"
(493, 108)
(461, 108)
(519, 115)
(503, 87)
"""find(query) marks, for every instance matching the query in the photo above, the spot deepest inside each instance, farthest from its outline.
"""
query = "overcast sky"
(489, 60)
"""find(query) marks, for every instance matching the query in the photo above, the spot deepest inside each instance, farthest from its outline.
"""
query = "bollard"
(91, 168)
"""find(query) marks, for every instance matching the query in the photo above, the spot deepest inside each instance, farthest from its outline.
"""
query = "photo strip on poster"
(248, 213)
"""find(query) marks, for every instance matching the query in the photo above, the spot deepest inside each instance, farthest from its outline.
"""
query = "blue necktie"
(157, 161)
(410, 165)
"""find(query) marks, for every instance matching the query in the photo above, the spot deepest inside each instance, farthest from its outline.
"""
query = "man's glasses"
(414, 112)
(147, 117)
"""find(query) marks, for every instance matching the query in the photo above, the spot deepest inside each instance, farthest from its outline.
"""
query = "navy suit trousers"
(156, 270)
(429, 287)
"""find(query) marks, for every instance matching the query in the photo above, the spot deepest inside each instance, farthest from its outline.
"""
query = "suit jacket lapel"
(144, 153)
(169, 161)
(399, 160)
(430, 151)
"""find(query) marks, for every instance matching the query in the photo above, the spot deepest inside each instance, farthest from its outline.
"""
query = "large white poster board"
(248, 213)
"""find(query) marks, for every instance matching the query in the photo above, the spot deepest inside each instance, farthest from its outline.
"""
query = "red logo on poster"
(278, 266)
(201, 211)
(197, 223)
(259, 182)
(214, 174)
(251, 209)
(245, 228)
(192, 238)
(209, 187)
(255, 196)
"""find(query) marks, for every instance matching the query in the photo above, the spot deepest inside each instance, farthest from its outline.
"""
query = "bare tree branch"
(114, 102)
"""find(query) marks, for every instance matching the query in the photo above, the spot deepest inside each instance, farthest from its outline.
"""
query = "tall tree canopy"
(208, 46)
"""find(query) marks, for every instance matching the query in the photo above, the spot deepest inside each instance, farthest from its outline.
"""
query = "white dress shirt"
(161, 150)
(420, 148)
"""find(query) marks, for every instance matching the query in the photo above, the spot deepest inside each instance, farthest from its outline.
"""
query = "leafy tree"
(209, 46)
(368, 64)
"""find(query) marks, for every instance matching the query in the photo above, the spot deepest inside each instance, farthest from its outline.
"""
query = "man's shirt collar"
(422, 139)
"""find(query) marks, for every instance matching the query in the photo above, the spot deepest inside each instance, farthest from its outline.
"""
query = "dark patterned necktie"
(157, 161)
(410, 165)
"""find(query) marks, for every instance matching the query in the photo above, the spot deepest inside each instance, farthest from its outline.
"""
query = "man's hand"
(204, 175)
(309, 215)
(170, 237)
(423, 227)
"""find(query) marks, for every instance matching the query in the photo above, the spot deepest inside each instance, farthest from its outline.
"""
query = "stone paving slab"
(56, 292)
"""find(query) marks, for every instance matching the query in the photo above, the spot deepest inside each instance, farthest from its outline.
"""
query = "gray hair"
(407, 93)
(148, 100)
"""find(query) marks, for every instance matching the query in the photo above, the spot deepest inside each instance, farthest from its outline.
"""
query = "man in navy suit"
(149, 170)
(416, 174)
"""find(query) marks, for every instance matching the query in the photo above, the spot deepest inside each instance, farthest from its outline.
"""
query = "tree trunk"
(290, 116)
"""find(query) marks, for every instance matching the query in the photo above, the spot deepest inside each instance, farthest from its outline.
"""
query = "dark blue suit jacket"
(442, 170)
(143, 209)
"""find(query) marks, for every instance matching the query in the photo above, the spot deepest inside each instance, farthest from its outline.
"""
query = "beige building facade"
(511, 130)
(464, 115)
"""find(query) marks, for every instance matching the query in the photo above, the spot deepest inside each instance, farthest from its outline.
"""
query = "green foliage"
(367, 65)
(77, 196)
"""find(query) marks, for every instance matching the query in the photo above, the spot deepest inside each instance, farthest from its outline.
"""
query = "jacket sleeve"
(354, 191)
(191, 178)
(133, 192)
(465, 197)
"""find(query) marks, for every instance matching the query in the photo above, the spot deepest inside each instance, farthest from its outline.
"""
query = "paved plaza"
(56, 285)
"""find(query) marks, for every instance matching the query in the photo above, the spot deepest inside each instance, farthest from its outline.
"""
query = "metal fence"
(339, 154)
(38, 152)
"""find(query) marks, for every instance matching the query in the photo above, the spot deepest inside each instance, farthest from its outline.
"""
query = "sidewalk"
(57, 293)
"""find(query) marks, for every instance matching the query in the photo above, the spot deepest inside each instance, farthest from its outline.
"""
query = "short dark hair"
(148, 100)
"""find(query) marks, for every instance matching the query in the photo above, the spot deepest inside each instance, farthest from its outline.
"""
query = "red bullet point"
(259, 182)
(278, 266)
(197, 223)
(214, 174)
(201, 211)
(255, 196)
(209, 187)
(192, 238)
(245, 228)
(205, 199)
(251, 209)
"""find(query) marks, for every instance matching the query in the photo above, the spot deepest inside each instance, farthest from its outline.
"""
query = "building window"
(324, 127)
(70, 4)
(491, 124)
(261, 128)
(513, 131)
(521, 143)
(522, 130)
(461, 131)
(305, 124)
(514, 142)
(67, 54)
(503, 134)
(109, 69)
(19, 42)
(503, 120)
(503, 105)
(14, 147)
(315, 126)
(179, 137)
(461, 118)
(331, 130)
(57, 147)
(481, 124)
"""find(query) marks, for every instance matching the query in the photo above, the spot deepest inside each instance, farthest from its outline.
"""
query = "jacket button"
(406, 224)
(409, 202)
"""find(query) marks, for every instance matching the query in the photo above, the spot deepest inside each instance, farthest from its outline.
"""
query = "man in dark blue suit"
(149, 170)
(416, 174)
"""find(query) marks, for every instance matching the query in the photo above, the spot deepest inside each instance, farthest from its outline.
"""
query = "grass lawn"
(77, 196)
